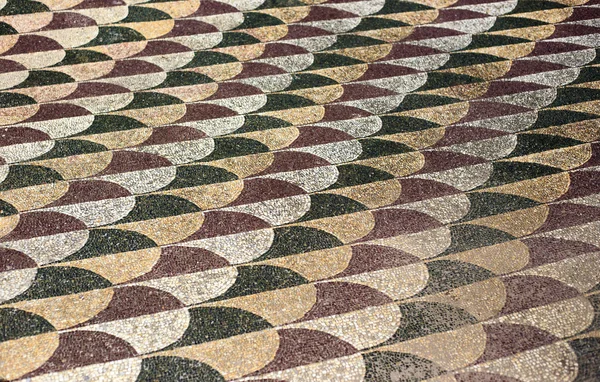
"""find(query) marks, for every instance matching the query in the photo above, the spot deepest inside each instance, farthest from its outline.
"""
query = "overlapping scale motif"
(299, 190)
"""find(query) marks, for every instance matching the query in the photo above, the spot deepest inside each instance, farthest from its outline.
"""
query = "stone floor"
(300, 190)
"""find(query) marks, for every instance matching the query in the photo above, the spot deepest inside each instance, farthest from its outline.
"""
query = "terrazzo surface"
(300, 190)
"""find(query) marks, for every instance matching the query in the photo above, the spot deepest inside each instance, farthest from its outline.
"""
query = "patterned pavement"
(300, 190)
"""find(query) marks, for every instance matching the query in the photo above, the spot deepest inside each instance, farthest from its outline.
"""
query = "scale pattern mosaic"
(300, 190)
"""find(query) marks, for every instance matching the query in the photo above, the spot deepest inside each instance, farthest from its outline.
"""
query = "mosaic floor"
(300, 190)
